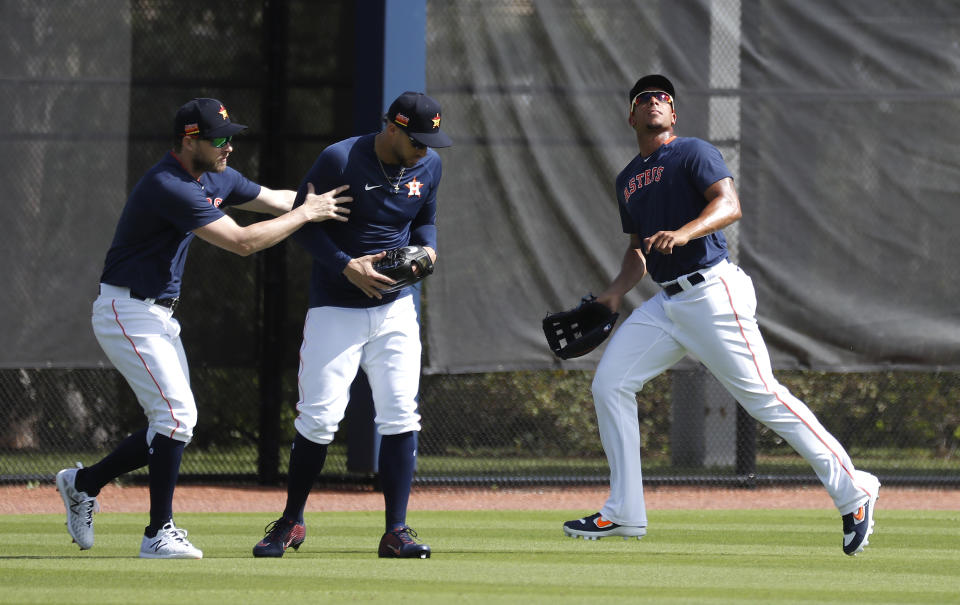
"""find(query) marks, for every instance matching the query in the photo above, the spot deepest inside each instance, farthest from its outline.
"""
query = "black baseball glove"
(576, 332)
(406, 266)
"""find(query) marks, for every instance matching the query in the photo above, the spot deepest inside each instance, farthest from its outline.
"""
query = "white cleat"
(80, 508)
(169, 543)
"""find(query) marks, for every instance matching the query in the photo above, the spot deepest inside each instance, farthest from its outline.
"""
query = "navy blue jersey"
(664, 192)
(150, 244)
(379, 219)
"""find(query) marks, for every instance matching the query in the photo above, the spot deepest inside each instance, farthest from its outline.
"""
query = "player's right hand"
(664, 241)
(361, 274)
(324, 206)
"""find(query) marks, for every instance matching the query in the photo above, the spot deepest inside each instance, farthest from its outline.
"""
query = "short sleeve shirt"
(150, 244)
(663, 192)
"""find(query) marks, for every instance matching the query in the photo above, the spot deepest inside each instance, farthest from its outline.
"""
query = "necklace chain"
(393, 182)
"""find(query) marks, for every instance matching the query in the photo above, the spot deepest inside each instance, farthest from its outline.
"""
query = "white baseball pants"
(142, 341)
(384, 341)
(714, 322)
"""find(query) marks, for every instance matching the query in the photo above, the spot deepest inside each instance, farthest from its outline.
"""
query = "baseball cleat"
(169, 543)
(80, 508)
(595, 527)
(281, 535)
(400, 543)
(858, 525)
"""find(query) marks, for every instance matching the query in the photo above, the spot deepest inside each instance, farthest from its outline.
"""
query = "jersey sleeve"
(423, 228)
(242, 189)
(313, 237)
(184, 206)
(706, 165)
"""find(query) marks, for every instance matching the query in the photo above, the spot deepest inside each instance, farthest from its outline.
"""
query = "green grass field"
(768, 557)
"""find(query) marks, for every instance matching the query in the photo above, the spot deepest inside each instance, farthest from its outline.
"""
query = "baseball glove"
(406, 266)
(576, 332)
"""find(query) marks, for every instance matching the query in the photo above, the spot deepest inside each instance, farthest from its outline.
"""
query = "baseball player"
(133, 318)
(674, 199)
(352, 322)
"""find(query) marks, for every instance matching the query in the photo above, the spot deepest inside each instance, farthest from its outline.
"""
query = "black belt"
(675, 288)
(170, 303)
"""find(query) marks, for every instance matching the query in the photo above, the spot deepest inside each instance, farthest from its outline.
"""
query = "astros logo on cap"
(436, 120)
(223, 112)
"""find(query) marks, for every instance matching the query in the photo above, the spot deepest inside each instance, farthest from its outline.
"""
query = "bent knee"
(607, 388)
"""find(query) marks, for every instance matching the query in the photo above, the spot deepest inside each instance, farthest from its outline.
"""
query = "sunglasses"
(220, 142)
(643, 97)
(416, 144)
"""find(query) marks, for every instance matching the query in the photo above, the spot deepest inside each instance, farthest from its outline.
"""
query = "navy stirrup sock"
(165, 455)
(398, 457)
(130, 455)
(306, 462)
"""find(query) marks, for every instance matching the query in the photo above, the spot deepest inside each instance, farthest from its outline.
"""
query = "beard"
(202, 165)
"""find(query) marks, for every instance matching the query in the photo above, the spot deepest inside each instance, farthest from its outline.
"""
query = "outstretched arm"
(270, 201)
(227, 234)
(280, 201)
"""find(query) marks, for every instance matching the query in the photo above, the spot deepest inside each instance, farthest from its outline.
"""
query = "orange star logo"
(223, 112)
(414, 186)
(436, 120)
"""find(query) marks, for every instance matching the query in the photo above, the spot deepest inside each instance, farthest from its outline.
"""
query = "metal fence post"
(746, 445)
(273, 261)
(703, 428)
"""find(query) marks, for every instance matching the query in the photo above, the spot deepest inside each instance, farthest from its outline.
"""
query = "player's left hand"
(664, 242)
(431, 253)
(324, 206)
(610, 300)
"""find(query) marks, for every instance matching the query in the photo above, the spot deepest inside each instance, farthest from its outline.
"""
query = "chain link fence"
(532, 427)
(87, 91)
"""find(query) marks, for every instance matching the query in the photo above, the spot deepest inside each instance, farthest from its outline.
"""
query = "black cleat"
(281, 534)
(400, 543)
(595, 527)
(857, 527)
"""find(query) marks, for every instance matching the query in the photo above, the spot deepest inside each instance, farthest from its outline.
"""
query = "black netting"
(845, 209)
(534, 427)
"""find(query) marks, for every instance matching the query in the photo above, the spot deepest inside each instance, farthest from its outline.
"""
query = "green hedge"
(910, 421)
(550, 413)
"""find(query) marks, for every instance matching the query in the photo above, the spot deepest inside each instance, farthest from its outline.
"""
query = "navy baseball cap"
(419, 116)
(655, 82)
(206, 119)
